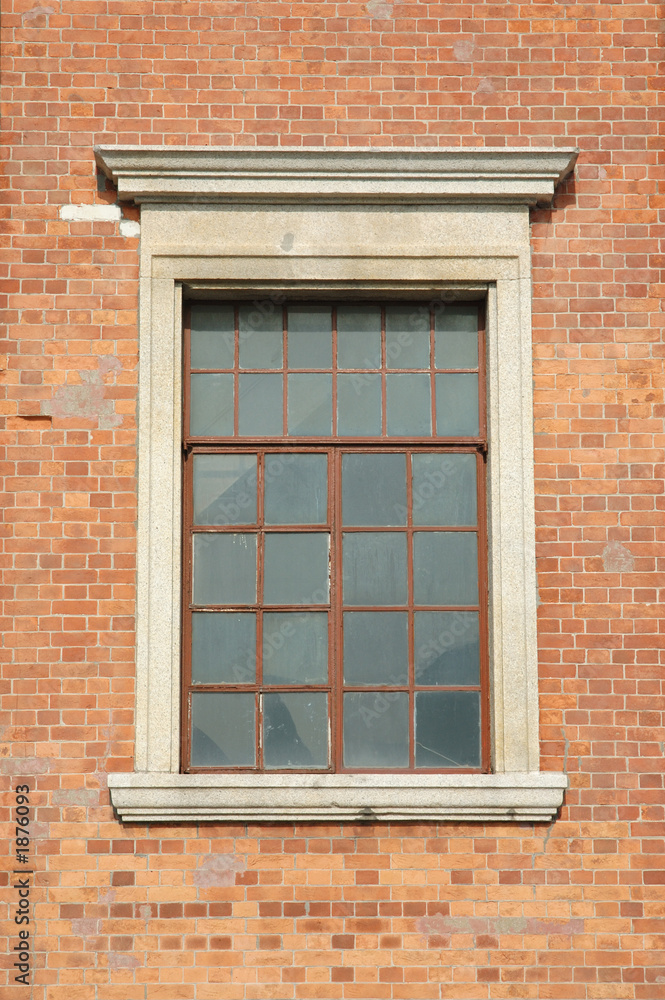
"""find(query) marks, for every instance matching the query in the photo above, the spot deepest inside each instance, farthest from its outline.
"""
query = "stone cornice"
(187, 174)
(145, 797)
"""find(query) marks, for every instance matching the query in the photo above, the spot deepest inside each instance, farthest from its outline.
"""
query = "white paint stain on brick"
(618, 559)
(129, 228)
(90, 213)
(87, 400)
(219, 870)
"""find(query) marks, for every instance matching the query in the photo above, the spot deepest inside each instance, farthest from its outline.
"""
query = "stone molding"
(525, 176)
(410, 247)
(362, 798)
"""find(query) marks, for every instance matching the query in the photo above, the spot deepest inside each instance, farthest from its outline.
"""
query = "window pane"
(212, 335)
(376, 647)
(211, 406)
(408, 407)
(456, 337)
(310, 405)
(445, 567)
(376, 729)
(444, 489)
(310, 337)
(447, 729)
(224, 569)
(296, 489)
(224, 489)
(457, 405)
(296, 568)
(223, 648)
(358, 336)
(374, 489)
(359, 404)
(447, 647)
(374, 568)
(260, 404)
(223, 730)
(260, 334)
(407, 336)
(295, 730)
(295, 647)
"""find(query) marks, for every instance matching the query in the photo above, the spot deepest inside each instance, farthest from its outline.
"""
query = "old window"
(334, 537)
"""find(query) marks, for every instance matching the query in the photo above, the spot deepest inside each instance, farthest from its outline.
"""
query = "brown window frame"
(335, 447)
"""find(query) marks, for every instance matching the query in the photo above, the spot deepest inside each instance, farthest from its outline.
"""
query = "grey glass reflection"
(295, 647)
(376, 647)
(211, 406)
(374, 489)
(444, 489)
(223, 730)
(309, 342)
(448, 729)
(296, 568)
(376, 729)
(447, 647)
(445, 567)
(358, 336)
(260, 405)
(295, 730)
(260, 330)
(212, 335)
(456, 336)
(407, 336)
(374, 568)
(408, 406)
(224, 569)
(224, 489)
(223, 647)
(296, 490)
(359, 404)
(310, 405)
(457, 405)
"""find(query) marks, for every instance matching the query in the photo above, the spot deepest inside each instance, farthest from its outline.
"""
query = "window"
(335, 571)
(336, 226)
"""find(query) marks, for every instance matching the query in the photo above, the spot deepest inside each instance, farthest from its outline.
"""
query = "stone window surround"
(418, 223)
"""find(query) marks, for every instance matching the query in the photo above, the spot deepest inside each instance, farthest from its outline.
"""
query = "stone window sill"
(146, 797)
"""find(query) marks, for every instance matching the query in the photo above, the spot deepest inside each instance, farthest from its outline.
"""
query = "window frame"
(428, 222)
(334, 447)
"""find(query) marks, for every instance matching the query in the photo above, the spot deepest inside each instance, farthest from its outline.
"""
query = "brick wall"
(572, 911)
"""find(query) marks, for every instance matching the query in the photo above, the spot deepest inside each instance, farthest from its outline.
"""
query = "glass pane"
(374, 489)
(212, 335)
(408, 407)
(445, 567)
(310, 336)
(223, 648)
(310, 405)
(447, 647)
(376, 647)
(295, 730)
(358, 336)
(211, 406)
(447, 729)
(457, 405)
(260, 334)
(260, 405)
(376, 729)
(444, 489)
(224, 569)
(456, 336)
(296, 489)
(359, 404)
(295, 647)
(223, 730)
(407, 336)
(224, 489)
(296, 568)
(374, 568)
